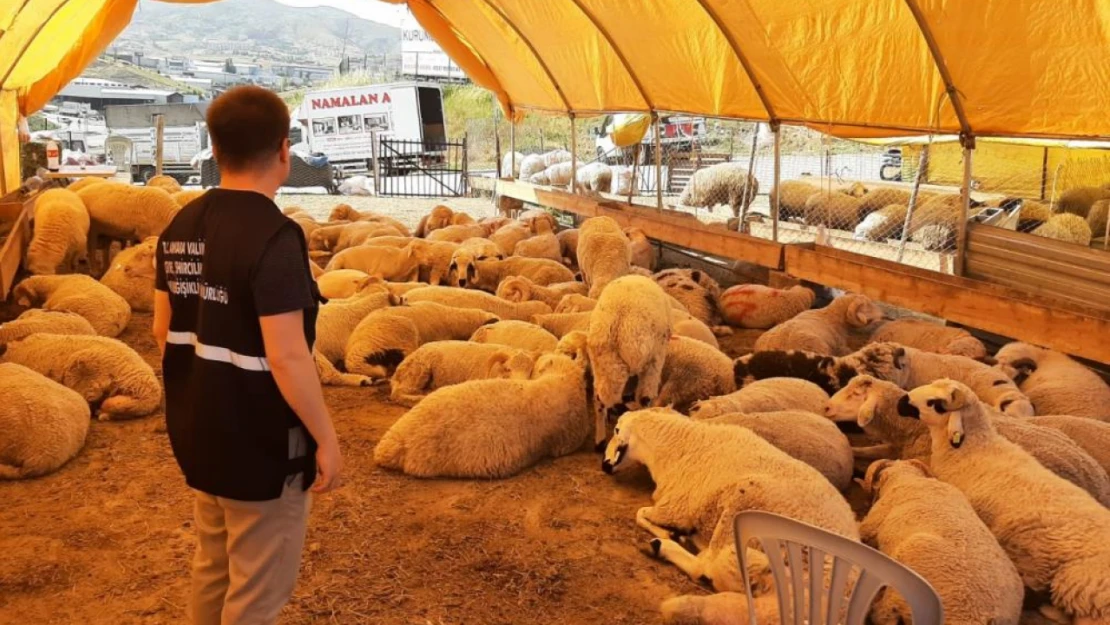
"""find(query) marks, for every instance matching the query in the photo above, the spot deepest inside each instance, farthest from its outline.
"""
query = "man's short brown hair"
(247, 125)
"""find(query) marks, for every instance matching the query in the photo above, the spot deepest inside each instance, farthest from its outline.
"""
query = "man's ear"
(283, 151)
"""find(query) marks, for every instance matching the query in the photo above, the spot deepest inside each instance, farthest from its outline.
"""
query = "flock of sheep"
(513, 341)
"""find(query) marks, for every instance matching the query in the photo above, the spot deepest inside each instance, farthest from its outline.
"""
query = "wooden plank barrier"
(14, 210)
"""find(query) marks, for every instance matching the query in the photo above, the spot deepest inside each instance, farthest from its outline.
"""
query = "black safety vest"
(228, 423)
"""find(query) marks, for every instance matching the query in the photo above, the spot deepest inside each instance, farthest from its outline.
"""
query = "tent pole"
(159, 133)
(658, 161)
(965, 208)
(778, 171)
(748, 198)
(573, 157)
(512, 145)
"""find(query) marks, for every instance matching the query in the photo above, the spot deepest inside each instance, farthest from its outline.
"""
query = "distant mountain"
(255, 30)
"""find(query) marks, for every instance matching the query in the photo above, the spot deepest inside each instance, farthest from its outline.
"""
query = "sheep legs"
(123, 407)
(331, 376)
(873, 452)
(660, 524)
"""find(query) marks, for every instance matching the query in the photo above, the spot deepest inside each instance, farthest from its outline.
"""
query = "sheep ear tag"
(955, 430)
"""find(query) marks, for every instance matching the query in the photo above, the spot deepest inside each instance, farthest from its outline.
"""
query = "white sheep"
(1056, 384)
(930, 527)
(881, 197)
(1054, 533)
(705, 280)
(556, 156)
(385, 337)
(873, 404)
(36, 320)
(131, 275)
(1066, 227)
(530, 165)
(108, 313)
(791, 196)
(1096, 219)
(557, 175)
(700, 302)
(824, 330)
(883, 224)
(723, 183)
(518, 334)
(359, 233)
(541, 271)
(462, 269)
(1078, 201)
(510, 164)
(704, 475)
(509, 235)
(342, 283)
(930, 337)
(693, 329)
(1093, 436)
(832, 209)
(628, 336)
(568, 246)
(693, 371)
(804, 436)
(128, 213)
(561, 324)
(103, 370)
(444, 363)
(758, 306)
(61, 233)
(643, 252)
(521, 289)
(457, 233)
(604, 253)
(465, 298)
(44, 423)
(334, 324)
(388, 263)
(167, 183)
(439, 217)
(435, 259)
(81, 183)
(594, 177)
(492, 428)
(768, 395)
(540, 246)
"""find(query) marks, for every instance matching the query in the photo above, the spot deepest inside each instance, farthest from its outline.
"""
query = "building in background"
(421, 56)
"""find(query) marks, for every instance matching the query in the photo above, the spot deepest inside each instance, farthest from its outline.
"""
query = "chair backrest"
(120, 150)
(778, 534)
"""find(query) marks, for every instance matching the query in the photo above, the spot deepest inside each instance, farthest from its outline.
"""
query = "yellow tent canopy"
(853, 68)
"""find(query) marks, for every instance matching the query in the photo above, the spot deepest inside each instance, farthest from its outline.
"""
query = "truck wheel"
(890, 172)
(145, 174)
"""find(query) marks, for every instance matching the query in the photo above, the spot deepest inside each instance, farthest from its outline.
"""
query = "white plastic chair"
(876, 570)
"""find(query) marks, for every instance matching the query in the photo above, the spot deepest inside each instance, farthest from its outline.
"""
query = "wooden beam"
(680, 229)
(990, 307)
(15, 245)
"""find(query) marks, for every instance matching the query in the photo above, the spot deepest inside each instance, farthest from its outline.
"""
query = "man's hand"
(329, 468)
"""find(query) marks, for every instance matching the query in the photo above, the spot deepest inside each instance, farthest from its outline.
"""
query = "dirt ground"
(108, 538)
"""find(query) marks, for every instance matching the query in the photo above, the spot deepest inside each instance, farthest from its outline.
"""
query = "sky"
(368, 9)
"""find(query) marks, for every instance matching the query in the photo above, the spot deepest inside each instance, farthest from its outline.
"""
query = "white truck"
(680, 133)
(132, 137)
(343, 123)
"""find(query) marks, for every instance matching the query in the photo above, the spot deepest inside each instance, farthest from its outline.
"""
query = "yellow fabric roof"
(854, 68)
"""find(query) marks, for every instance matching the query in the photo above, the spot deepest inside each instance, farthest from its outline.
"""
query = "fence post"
(375, 162)
(512, 145)
(965, 207)
(922, 165)
(778, 169)
(159, 136)
(658, 161)
(573, 157)
(742, 214)
(497, 147)
(466, 166)
(632, 184)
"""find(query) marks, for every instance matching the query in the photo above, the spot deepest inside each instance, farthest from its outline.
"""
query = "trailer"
(132, 138)
(347, 125)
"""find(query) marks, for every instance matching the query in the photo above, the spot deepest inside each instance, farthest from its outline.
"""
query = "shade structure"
(852, 68)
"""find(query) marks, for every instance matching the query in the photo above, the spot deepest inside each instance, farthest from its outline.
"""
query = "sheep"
(35, 320)
(444, 363)
(106, 372)
(881, 197)
(1066, 227)
(128, 213)
(604, 253)
(768, 395)
(131, 275)
(568, 246)
(557, 175)
(700, 302)
(827, 372)
(544, 272)
(510, 164)
(492, 429)
(44, 423)
(628, 336)
(555, 157)
(1093, 436)
(930, 337)
(703, 279)
(873, 404)
(334, 324)
(458, 233)
(909, 368)
(465, 298)
(704, 475)
(518, 334)
(824, 330)
(345, 213)
(693, 329)
(509, 235)
(184, 197)
(385, 337)
(436, 261)
(81, 183)
(439, 217)
(561, 324)
(1096, 218)
(693, 371)
(934, 221)
(361, 232)
(530, 165)
(521, 289)
(643, 252)
(883, 224)
(758, 306)
(594, 177)
(723, 183)
(61, 233)
(1055, 383)
(832, 209)
(1058, 545)
(168, 183)
(540, 246)
(107, 312)
(342, 283)
(791, 196)
(930, 527)
(387, 263)
(622, 182)
(1078, 201)
(574, 302)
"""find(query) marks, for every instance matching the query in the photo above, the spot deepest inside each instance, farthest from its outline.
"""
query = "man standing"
(234, 314)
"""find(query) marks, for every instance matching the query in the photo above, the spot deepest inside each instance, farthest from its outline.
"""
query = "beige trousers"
(247, 558)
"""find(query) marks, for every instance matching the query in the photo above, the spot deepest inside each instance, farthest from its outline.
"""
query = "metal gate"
(408, 168)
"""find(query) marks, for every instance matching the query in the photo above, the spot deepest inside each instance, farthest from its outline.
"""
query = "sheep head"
(881, 470)
(512, 364)
(941, 406)
(573, 344)
(463, 267)
(862, 312)
(343, 211)
(858, 401)
(1019, 360)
